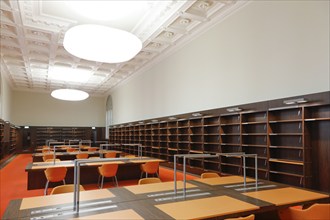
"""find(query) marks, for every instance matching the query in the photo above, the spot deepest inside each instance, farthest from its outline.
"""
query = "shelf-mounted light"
(294, 101)
(234, 109)
(196, 114)
(26, 127)
(93, 128)
(172, 118)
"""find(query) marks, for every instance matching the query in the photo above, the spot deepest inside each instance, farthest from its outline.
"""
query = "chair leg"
(116, 181)
(98, 181)
(46, 187)
(157, 174)
(141, 175)
(64, 181)
(102, 182)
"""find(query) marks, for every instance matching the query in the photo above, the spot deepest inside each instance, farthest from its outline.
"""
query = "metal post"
(175, 185)
(75, 199)
(256, 169)
(54, 155)
(244, 170)
(184, 176)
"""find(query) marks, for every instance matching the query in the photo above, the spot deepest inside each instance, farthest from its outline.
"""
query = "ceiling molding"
(32, 41)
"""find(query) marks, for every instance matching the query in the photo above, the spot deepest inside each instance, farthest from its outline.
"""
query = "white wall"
(5, 99)
(40, 109)
(267, 50)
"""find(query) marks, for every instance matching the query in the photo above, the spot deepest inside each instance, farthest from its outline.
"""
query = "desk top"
(157, 187)
(224, 180)
(65, 198)
(286, 195)
(155, 201)
(70, 163)
(205, 207)
(76, 152)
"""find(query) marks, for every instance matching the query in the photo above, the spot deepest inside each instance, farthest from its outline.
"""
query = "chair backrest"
(92, 149)
(209, 175)
(47, 157)
(316, 212)
(70, 149)
(149, 180)
(82, 156)
(108, 170)
(249, 217)
(110, 155)
(150, 167)
(65, 189)
(45, 150)
(55, 174)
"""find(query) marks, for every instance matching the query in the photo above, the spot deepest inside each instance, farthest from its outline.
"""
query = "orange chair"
(55, 174)
(209, 175)
(47, 157)
(65, 189)
(92, 149)
(110, 155)
(249, 217)
(149, 168)
(70, 149)
(46, 150)
(316, 212)
(107, 170)
(82, 156)
(149, 180)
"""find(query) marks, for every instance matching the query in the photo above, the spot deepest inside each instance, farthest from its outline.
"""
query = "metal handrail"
(185, 156)
(78, 162)
(244, 156)
(105, 145)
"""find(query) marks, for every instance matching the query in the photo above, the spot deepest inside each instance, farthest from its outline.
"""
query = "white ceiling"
(32, 39)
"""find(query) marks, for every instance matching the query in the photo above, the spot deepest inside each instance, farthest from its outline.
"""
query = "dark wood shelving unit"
(292, 142)
(40, 134)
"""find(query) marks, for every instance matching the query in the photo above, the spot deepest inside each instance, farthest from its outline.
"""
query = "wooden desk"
(37, 157)
(157, 201)
(89, 174)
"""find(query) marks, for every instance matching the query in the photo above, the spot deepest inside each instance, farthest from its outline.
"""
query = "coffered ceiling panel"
(32, 34)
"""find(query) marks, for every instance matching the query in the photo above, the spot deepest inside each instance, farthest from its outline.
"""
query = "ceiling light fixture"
(101, 43)
(69, 94)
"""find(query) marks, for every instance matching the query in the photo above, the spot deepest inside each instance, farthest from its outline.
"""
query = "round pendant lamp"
(101, 43)
(69, 94)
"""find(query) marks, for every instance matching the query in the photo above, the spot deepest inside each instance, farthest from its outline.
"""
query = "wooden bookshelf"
(290, 141)
(40, 134)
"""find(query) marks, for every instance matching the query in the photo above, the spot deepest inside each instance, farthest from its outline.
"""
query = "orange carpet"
(13, 181)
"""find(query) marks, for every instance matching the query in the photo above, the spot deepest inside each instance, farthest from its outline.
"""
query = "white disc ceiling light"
(101, 43)
(69, 94)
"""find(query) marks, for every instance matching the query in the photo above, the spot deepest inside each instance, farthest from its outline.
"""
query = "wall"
(266, 50)
(40, 109)
(5, 99)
